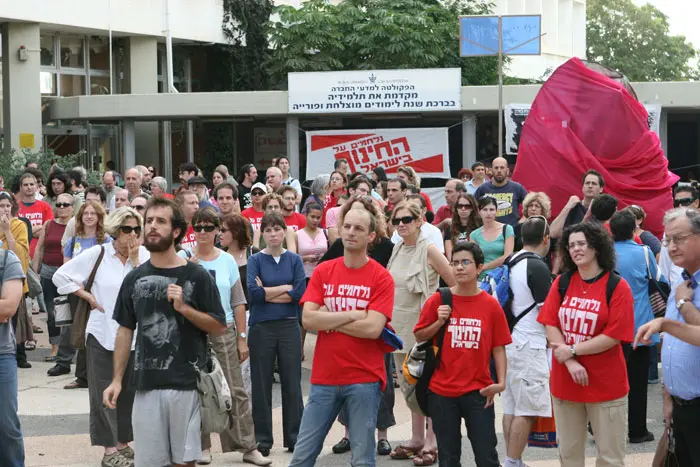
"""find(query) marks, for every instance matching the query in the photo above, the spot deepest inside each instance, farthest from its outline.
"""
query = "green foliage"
(12, 163)
(636, 41)
(374, 34)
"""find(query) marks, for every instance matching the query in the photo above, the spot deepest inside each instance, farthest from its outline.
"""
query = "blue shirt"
(680, 360)
(77, 245)
(289, 270)
(631, 265)
(207, 204)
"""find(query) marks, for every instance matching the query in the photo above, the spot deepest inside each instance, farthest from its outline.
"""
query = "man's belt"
(685, 402)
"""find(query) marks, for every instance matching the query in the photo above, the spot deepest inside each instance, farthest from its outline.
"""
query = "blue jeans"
(323, 406)
(11, 443)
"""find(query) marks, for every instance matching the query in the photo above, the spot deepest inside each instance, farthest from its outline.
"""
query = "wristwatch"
(243, 335)
(681, 302)
(573, 350)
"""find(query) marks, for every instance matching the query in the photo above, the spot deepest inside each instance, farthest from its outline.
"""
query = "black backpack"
(613, 279)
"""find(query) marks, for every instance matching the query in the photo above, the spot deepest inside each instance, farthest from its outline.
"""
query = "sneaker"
(127, 452)
(206, 457)
(383, 447)
(116, 460)
(58, 370)
(256, 458)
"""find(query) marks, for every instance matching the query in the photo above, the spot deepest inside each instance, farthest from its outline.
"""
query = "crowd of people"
(247, 266)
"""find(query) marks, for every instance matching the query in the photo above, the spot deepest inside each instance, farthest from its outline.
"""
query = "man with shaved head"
(274, 179)
(508, 193)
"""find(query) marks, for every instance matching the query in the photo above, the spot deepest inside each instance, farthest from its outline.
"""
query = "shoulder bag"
(658, 290)
(82, 308)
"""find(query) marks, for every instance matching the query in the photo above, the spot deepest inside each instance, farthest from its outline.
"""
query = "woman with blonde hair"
(536, 203)
(416, 266)
(110, 429)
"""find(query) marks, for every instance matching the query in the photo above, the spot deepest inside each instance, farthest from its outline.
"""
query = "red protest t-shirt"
(188, 241)
(476, 326)
(580, 316)
(38, 213)
(443, 212)
(255, 217)
(340, 359)
(296, 221)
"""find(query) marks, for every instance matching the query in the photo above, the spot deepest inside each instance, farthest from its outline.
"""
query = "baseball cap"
(259, 186)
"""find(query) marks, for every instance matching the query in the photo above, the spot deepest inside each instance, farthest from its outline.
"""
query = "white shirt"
(429, 231)
(527, 329)
(108, 280)
(668, 269)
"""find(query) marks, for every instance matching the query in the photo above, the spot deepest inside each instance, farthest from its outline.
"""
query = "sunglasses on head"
(204, 228)
(406, 220)
(127, 229)
(683, 202)
(63, 205)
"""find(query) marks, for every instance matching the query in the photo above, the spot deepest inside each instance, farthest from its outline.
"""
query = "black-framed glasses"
(405, 219)
(63, 205)
(204, 228)
(683, 202)
(127, 229)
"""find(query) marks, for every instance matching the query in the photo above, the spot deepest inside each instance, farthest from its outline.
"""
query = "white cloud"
(682, 16)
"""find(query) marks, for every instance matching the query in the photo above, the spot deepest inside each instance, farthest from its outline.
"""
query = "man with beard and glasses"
(289, 198)
(508, 193)
(164, 299)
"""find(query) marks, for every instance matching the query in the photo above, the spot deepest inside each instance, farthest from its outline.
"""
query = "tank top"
(311, 246)
(53, 251)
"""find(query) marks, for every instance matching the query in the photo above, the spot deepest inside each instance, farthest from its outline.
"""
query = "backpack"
(497, 284)
(613, 279)
(421, 362)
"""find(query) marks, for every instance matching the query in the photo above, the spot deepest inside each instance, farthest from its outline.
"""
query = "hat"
(197, 181)
(259, 186)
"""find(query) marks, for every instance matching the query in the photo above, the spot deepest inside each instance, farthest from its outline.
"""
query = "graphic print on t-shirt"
(578, 318)
(464, 333)
(159, 328)
(347, 297)
(189, 241)
(505, 203)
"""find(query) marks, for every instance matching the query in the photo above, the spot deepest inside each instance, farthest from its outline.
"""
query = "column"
(20, 86)
(129, 144)
(468, 139)
(142, 78)
(293, 147)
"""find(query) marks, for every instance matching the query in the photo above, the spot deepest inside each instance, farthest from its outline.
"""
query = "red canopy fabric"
(582, 120)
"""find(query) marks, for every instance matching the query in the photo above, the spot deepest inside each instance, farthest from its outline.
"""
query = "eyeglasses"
(204, 228)
(464, 207)
(127, 229)
(683, 202)
(137, 207)
(63, 205)
(677, 239)
(406, 220)
(461, 262)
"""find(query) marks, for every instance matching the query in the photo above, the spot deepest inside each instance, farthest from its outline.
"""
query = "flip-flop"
(405, 452)
(426, 458)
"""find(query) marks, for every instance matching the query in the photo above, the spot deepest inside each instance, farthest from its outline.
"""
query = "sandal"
(29, 345)
(405, 452)
(426, 458)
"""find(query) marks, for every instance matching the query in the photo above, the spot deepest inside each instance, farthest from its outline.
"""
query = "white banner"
(418, 90)
(515, 115)
(424, 149)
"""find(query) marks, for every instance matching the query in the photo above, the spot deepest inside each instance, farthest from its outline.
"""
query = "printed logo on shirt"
(346, 297)
(505, 203)
(578, 318)
(464, 333)
(188, 241)
(36, 218)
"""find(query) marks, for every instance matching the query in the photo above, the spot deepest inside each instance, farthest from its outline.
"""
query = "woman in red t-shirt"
(461, 387)
(585, 328)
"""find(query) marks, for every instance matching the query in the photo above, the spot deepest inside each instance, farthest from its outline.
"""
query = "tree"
(636, 41)
(374, 34)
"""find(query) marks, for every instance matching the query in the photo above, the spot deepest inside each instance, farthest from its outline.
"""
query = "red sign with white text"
(423, 149)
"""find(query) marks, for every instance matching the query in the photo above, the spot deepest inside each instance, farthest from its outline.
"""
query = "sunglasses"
(257, 193)
(464, 206)
(204, 228)
(63, 205)
(406, 220)
(683, 202)
(544, 219)
(127, 229)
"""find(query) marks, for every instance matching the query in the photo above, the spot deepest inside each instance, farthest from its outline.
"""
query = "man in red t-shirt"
(36, 211)
(255, 213)
(348, 302)
(461, 387)
(292, 218)
(189, 202)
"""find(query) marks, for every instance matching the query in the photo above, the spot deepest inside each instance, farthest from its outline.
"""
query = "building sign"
(515, 115)
(420, 90)
(268, 144)
(424, 149)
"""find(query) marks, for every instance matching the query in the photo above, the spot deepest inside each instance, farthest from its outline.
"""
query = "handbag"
(665, 455)
(420, 364)
(215, 398)
(658, 290)
(82, 309)
(34, 283)
(62, 311)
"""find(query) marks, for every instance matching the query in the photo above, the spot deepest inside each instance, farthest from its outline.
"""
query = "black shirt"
(244, 196)
(167, 344)
(576, 215)
(381, 252)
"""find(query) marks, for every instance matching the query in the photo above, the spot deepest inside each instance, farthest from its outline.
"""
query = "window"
(47, 44)
(72, 52)
(72, 85)
(99, 85)
(99, 53)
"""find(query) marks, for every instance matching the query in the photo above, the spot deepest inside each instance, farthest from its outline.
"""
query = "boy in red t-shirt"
(461, 387)
(255, 213)
(348, 302)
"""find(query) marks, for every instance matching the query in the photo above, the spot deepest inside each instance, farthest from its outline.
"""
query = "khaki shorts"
(527, 382)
